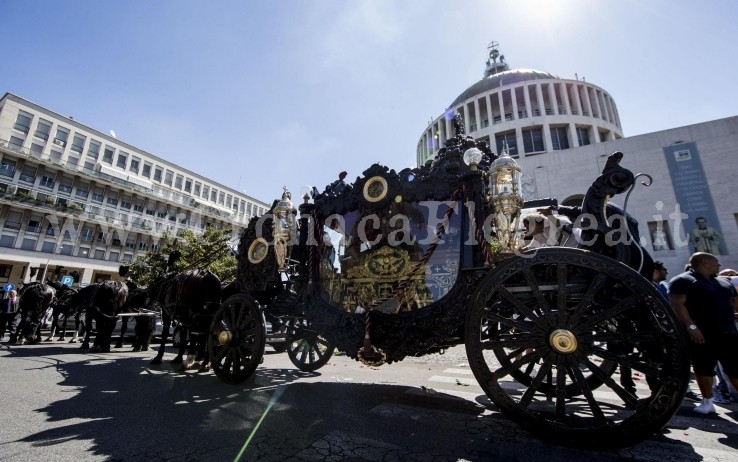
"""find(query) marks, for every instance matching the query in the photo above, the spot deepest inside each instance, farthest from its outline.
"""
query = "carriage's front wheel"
(308, 350)
(236, 339)
(545, 331)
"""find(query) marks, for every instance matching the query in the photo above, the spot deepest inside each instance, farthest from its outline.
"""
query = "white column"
(577, 99)
(490, 113)
(526, 98)
(572, 133)
(552, 97)
(587, 101)
(501, 102)
(541, 101)
(608, 105)
(597, 106)
(467, 120)
(564, 97)
(521, 146)
(548, 144)
(616, 115)
(514, 100)
(477, 117)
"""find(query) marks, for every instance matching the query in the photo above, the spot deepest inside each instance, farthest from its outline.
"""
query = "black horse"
(102, 303)
(191, 298)
(63, 309)
(137, 303)
(35, 299)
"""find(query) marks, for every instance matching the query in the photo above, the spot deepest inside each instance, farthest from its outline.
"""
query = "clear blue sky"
(260, 94)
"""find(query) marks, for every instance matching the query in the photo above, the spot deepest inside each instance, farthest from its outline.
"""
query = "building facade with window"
(75, 199)
(562, 131)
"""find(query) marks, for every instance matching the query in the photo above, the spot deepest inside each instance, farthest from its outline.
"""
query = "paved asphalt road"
(61, 404)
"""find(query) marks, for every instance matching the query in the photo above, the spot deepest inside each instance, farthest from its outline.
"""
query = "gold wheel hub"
(224, 338)
(563, 341)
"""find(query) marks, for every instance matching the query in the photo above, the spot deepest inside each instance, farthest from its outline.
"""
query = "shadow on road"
(130, 410)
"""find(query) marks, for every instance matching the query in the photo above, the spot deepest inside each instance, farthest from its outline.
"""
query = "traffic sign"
(67, 280)
(8, 287)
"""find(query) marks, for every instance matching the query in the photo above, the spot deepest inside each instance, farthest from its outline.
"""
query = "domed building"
(561, 132)
(527, 111)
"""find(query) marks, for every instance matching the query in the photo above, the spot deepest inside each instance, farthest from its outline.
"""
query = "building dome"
(527, 112)
(500, 80)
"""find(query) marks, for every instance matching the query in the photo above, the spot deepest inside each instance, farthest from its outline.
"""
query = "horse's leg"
(205, 362)
(191, 351)
(19, 334)
(52, 329)
(35, 336)
(137, 334)
(167, 321)
(183, 345)
(78, 326)
(88, 329)
(148, 334)
(63, 329)
(123, 329)
(105, 334)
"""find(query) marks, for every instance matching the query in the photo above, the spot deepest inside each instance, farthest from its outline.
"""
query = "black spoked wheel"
(307, 350)
(236, 339)
(506, 355)
(546, 332)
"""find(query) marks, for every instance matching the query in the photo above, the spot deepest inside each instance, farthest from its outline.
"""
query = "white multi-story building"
(74, 199)
(561, 131)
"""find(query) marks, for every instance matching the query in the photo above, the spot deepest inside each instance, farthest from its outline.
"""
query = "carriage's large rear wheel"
(236, 339)
(307, 350)
(546, 331)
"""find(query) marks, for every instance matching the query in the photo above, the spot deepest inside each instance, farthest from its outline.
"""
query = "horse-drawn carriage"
(413, 262)
(410, 263)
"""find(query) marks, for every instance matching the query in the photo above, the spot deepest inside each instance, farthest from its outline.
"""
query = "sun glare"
(546, 11)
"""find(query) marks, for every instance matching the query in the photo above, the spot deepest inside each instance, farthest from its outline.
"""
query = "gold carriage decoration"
(388, 279)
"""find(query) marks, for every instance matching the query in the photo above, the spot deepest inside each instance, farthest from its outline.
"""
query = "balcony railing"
(164, 193)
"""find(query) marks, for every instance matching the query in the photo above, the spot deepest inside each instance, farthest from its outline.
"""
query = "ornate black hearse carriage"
(409, 263)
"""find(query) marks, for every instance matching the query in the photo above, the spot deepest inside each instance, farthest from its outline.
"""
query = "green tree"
(208, 251)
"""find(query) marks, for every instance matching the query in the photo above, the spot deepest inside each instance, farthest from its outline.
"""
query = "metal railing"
(156, 191)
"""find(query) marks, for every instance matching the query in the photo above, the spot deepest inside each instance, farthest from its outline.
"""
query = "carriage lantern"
(284, 228)
(472, 157)
(505, 198)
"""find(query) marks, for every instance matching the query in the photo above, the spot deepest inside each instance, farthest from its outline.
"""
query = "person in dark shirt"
(8, 312)
(707, 305)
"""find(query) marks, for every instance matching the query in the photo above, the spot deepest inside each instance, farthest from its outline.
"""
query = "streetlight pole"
(46, 268)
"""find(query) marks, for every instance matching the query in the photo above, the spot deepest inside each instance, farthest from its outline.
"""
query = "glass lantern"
(284, 229)
(504, 195)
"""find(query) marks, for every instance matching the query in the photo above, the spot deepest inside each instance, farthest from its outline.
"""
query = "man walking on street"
(707, 305)
(8, 312)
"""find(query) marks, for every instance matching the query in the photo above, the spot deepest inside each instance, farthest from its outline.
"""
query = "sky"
(258, 95)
